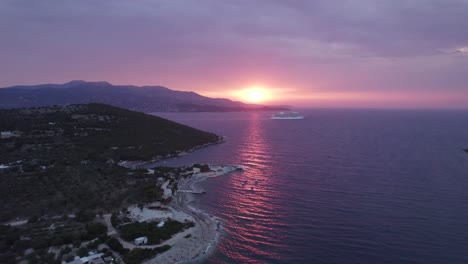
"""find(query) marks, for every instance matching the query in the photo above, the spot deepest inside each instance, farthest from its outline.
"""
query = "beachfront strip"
(199, 231)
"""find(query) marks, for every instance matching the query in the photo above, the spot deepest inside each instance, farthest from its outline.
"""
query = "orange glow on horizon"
(254, 94)
(301, 97)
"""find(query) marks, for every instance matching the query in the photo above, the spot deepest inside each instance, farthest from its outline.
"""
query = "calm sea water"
(340, 186)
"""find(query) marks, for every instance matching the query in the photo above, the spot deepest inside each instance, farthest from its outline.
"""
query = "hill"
(144, 98)
(63, 159)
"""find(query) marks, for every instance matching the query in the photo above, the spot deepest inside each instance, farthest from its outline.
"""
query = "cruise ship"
(287, 115)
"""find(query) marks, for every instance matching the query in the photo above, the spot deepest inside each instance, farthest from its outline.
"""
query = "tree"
(85, 215)
(33, 219)
(66, 250)
(95, 229)
(82, 252)
(69, 258)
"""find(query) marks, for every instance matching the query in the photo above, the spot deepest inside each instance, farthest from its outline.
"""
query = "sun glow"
(255, 94)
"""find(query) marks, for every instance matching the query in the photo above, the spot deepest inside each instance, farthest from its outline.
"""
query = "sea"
(340, 186)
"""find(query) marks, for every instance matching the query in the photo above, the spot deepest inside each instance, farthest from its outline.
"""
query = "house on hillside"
(141, 241)
(97, 261)
(9, 134)
(93, 258)
(108, 260)
(76, 261)
(160, 224)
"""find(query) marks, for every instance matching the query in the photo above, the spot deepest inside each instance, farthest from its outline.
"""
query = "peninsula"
(73, 191)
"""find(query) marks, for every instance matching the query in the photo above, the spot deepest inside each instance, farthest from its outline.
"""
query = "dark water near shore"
(339, 186)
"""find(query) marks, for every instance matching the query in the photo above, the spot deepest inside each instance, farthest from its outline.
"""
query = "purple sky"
(358, 53)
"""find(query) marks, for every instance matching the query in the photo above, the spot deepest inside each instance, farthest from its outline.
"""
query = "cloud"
(382, 28)
(341, 45)
(462, 50)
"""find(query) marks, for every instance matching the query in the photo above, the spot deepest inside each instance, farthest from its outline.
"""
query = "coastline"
(206, 232)
(145, 164)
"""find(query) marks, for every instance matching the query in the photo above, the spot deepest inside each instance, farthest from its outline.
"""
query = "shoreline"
(207, 230)
(144, 164)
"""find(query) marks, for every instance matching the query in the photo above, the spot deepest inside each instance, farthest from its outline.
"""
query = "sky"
(306, 53)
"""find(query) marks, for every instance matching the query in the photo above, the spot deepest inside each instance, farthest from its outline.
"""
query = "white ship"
(287, 115)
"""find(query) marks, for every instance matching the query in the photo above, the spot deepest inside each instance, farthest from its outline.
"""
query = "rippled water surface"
(338, 187)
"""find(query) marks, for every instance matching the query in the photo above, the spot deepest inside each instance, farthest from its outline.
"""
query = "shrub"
(95, 230)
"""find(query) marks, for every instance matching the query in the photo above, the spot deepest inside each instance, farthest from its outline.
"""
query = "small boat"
(256, 182)
(244, 183)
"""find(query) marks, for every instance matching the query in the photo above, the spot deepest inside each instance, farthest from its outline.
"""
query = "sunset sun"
(255, 94)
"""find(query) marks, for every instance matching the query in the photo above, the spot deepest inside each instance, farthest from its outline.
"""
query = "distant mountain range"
(139, 98)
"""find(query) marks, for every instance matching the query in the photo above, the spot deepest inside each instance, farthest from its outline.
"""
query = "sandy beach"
(195, 243)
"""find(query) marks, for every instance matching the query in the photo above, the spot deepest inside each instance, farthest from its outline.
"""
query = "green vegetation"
(155, 235)
(117, 220)
(95, 230)
(43, 234)
(38, 237)
(60, 169)
(80, 189)
(64, 159)
(136, 255)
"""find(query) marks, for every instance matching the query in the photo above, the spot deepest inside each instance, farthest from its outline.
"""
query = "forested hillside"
(64, 159)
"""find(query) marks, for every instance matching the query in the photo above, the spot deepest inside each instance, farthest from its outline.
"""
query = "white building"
(92, 257)
(141, 241)
(160, 224)
(8, 134)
